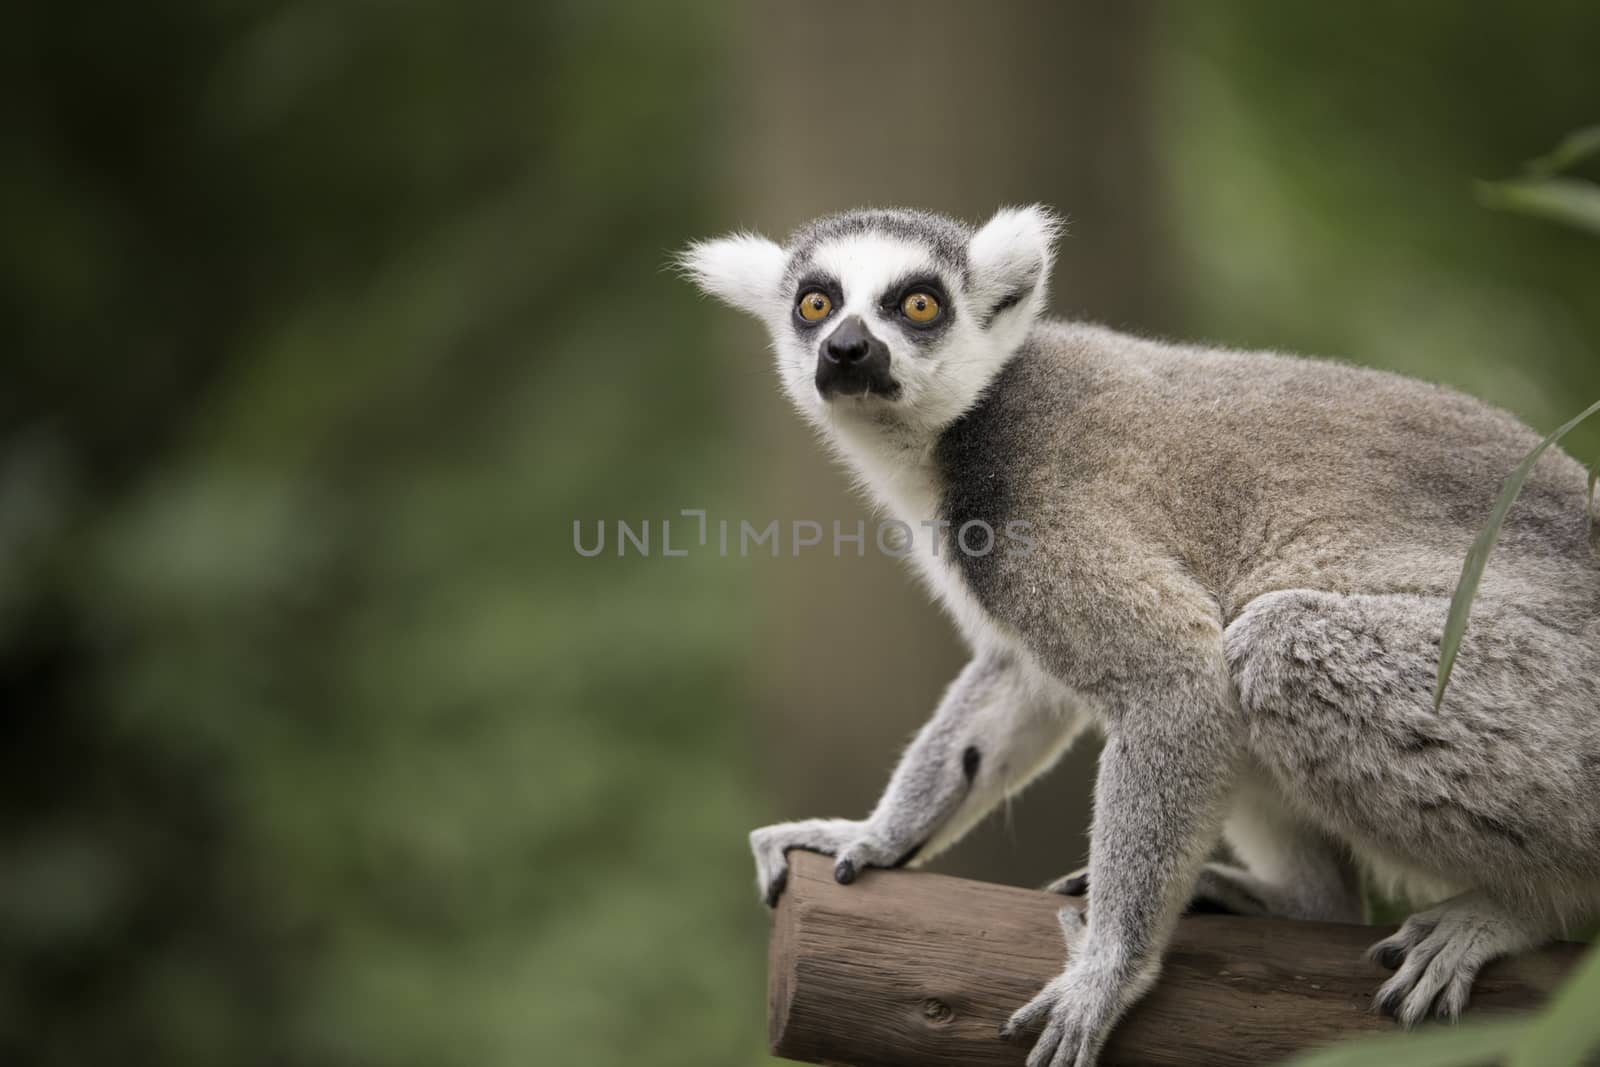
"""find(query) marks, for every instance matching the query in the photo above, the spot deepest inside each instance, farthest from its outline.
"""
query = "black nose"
(852, 362)
(847, 345)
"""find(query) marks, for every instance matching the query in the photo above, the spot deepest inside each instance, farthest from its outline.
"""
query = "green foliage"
(1569, 1029)
(322, 744)
(1572, 150)
(1566, 200)
(1467, 1045)
(1542, 193)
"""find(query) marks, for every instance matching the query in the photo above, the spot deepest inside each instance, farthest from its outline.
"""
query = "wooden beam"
(904, 969)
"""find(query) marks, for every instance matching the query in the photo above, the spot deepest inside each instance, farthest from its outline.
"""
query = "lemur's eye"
(920, 307)
(815, 306)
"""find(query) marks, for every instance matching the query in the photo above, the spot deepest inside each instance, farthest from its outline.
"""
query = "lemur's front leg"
(1164, 778)
(999, 725)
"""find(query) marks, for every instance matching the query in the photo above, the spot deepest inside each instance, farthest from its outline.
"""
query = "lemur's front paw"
(1075, 1012)
(1439, 953)
(853, 843)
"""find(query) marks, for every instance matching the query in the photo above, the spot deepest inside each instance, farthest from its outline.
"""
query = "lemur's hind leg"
(1286, 868)
(1498, 788)
(1497, 792)
(1001, 724)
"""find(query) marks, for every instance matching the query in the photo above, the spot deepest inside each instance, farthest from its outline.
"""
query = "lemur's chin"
(866, 391)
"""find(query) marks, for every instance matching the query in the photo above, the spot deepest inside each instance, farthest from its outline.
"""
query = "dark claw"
(844, 872)
(910, 855)
(775, 890)
(1390, 1004)
(1207, 906)
(1076, 886)
(1005, 1031)
(1391, 957)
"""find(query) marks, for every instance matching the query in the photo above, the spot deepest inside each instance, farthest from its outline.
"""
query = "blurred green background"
(322, 745)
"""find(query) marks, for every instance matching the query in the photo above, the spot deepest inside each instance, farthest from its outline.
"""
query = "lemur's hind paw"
(1439, 952)
(1220, 889)
(853, 844)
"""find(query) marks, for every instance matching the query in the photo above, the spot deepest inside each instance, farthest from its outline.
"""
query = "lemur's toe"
(1201, 905)
(1075, 884)
(1032, 1014)
(1389, 957)
(776, 886)
(844, 872)
(1453, 1001)
(1387, 1002)
(1390, 953)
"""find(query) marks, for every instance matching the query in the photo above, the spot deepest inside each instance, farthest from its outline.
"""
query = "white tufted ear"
(742, 269)
(1011, 258)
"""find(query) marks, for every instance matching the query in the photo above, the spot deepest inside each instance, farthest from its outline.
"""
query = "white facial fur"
(1010, 254)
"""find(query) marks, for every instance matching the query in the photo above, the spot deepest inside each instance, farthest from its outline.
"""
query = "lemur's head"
(893, 314)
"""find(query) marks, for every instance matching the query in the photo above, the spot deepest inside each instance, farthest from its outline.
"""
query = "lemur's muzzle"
(852, 362)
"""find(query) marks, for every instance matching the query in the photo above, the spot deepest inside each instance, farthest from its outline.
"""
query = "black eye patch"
(815, 282)
(893, 303)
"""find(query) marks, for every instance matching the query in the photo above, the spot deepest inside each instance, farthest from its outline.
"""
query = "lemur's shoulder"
(1195, 451)
(1097, 389)
(1089, 357)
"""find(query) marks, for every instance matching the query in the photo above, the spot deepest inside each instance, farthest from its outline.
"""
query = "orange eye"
(921, 308)
(815, 306)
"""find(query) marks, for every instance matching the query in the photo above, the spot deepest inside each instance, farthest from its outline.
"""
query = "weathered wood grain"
(904, 969)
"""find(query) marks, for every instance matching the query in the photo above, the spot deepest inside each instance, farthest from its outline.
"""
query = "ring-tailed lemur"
(1241, 572)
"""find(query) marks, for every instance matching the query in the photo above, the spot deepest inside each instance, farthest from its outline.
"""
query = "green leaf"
(1568, 200)
(1569, 1028)
(1455, 625)
(1574, 148)
(1457, 1046)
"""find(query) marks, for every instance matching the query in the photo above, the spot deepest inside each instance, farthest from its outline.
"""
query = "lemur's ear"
(1011, 257)
(742, 269)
